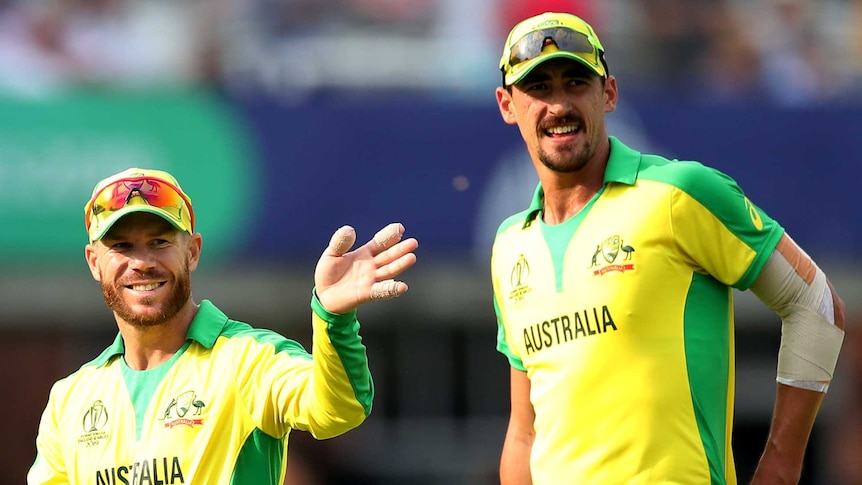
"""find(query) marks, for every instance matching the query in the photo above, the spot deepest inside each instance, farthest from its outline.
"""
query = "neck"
(147, 347)
(563, 203)
(567, 193)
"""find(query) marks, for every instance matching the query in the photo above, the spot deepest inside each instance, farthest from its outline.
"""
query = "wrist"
(325, 314)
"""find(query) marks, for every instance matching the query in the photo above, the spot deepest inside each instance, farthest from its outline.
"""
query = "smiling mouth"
(147, 287)
(563, 130)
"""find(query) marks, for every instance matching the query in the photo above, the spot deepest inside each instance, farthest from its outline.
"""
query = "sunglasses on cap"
(154, 191)
(532, 45)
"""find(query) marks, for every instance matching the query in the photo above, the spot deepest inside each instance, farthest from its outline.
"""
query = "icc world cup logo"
(95, 418)
(518, 279)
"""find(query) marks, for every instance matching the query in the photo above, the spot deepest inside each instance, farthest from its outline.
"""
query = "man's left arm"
(344, 280)
(812, 332)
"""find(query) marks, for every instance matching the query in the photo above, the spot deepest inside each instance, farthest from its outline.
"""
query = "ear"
(611, 94)
(92, 257)
(195, 244)
(504, 102)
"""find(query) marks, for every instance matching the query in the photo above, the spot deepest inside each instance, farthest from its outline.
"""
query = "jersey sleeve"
(502, 328)
(719, 228)
(49, 467)
(503, 343)
(326, 393)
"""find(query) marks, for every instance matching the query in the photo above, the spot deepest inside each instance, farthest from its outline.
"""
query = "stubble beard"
(568, 160)
(177, 299)
(570, 157)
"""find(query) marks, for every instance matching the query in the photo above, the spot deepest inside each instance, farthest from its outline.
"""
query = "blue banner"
(452, 171)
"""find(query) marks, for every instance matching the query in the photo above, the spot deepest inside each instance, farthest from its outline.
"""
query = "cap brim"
(521, 70)
(105, 226)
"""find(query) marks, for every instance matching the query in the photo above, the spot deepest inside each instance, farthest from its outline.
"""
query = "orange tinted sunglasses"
(155, 191)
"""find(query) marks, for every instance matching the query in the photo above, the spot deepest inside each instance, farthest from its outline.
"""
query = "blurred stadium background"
(285, 119)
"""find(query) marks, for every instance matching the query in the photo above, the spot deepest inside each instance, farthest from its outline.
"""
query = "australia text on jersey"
(565, 328)
(158, 471)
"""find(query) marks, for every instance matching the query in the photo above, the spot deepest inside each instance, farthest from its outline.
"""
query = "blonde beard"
(178, 298)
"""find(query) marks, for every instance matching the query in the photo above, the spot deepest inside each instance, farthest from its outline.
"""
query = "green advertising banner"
(53, 151)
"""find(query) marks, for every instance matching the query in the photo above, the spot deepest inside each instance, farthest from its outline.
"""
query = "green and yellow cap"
(547, 36)
(137, 190)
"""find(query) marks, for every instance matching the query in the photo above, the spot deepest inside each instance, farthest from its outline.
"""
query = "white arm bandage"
(792, 285)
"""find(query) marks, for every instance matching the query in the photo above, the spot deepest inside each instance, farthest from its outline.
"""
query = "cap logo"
(548, 23)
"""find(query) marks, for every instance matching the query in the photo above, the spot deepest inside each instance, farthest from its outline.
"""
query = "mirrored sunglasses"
(531, 45)
(155, 192)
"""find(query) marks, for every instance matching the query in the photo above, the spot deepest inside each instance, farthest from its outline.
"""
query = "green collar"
(204, 329)
(623, 166)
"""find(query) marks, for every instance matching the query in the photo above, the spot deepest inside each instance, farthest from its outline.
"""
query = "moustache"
(142, 278)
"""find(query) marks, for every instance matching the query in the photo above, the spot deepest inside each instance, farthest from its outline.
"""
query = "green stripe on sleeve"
(343, 331)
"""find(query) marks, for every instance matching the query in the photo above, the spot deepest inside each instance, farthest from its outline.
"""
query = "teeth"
(151, 286)
(559, 130)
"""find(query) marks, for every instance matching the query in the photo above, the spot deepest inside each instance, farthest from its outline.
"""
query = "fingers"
(385, 290)
(387, 237)
(342, 240)
(391, 254)
(397, 259)
(392, 257)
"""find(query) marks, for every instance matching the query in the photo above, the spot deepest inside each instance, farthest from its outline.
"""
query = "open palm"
(344, 280)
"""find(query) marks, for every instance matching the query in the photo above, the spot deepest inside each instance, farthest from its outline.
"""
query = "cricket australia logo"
(93, 424)
(612, 254)
(177, 411)
(518, 279)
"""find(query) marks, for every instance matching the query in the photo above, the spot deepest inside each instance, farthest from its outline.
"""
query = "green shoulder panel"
(719, 194)
(235, 329)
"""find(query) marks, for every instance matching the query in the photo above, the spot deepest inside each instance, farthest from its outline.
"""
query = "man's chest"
(121, 430)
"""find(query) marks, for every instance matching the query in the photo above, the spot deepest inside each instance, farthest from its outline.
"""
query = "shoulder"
(513, 221)
(512, 232)
(245, 335)
(699, 181)
(89, 374)
(628, 166)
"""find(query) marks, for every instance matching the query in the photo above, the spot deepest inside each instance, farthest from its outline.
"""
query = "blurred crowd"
(789, 51)
(49, 46)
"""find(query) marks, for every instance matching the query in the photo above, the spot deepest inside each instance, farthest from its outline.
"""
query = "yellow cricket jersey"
(622, 318)
(218, 412)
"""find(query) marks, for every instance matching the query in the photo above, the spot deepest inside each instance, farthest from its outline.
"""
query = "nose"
(141, 259)
(560, 103)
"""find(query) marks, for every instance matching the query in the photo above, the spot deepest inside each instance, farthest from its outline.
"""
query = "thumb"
(341, 242)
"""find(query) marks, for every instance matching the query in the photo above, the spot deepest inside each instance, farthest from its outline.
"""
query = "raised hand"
(344, 280)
